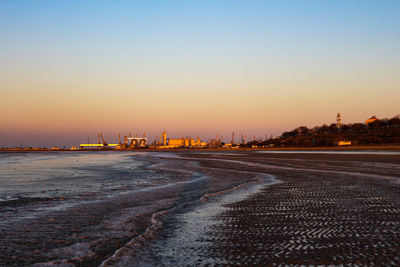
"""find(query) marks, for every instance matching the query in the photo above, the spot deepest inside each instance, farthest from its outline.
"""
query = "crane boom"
(102, 139)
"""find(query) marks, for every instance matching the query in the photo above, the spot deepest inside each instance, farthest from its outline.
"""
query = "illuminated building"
(371, 120)
(186, 142)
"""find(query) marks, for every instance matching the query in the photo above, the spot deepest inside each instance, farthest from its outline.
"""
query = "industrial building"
(129, 143)
(184, 142)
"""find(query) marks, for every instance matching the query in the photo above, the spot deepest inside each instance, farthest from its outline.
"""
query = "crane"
(100, 137)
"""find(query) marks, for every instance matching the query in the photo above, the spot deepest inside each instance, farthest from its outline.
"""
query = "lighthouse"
(338, 120)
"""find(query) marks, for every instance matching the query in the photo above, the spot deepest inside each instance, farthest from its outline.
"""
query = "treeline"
(384, 131)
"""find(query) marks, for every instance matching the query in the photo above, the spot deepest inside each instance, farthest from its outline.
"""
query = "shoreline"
(186, 230)
(326, 148)
(209, 205)
(91, 231)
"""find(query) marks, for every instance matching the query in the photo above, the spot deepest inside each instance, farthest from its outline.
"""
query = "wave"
(127, 255)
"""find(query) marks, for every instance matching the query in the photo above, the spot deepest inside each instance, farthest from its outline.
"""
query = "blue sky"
(207, 66)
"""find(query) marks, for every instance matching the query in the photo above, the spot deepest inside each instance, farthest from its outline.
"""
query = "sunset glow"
(72, 69)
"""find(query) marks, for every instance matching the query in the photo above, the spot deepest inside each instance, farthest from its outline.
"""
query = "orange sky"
(254, 69)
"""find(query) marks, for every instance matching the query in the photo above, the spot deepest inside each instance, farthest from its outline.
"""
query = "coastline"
(147, 249)
(326, 148)
(91, 231)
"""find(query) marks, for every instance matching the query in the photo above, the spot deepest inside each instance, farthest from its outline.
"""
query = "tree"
(358, 127)
(333, 128)
(346, 128)
(394, 122)
(375, 125)
(324, 129)
(302, 130)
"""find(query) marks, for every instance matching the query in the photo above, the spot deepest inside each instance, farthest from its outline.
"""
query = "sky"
(72, 69)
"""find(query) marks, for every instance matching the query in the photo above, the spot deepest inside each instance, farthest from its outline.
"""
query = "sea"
(111, 209)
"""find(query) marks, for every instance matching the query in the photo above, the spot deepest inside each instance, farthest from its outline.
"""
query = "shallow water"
(186, 235)
(29, 175)
(82, 207)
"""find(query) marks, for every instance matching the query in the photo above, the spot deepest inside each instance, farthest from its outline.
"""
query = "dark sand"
(328, 210)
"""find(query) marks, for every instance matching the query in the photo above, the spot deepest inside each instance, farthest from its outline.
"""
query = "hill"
(379, 132)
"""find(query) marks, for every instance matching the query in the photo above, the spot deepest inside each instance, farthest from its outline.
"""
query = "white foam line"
(157, 223)
(183, 247)
(146, 189)
(273, 180)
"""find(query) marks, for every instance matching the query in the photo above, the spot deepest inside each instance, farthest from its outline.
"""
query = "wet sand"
(328, 210)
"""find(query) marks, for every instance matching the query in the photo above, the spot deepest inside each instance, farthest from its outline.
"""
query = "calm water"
(83, 207)
(44, 175)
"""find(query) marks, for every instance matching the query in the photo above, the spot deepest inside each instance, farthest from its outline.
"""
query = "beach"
(328, 210)
(197, 208)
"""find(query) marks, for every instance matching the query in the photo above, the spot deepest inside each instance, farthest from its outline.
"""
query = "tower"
(338, 120)
(164, 138)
